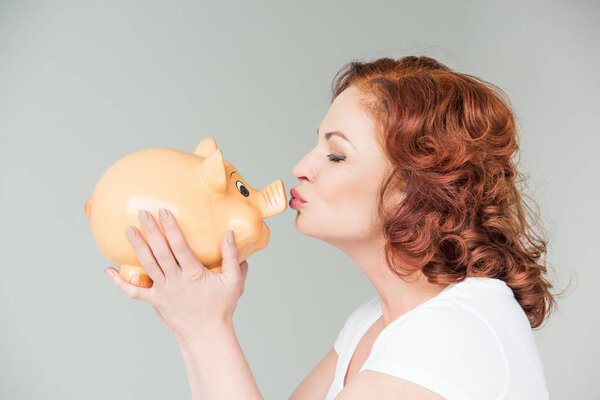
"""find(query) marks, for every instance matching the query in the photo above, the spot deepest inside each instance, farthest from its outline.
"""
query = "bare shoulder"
(317, 383)
(377, 385)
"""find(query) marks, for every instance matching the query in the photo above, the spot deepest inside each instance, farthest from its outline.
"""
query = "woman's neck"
(396, 295)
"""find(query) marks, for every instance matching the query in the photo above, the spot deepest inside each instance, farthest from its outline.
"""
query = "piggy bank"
(206, 195)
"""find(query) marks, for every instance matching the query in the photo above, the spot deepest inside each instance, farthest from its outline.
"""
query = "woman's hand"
(187, 297)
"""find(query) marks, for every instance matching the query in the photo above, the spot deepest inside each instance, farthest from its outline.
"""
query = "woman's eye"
(336, 158)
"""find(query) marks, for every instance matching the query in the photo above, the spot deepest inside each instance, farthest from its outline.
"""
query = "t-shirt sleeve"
(345, 334)
(337, 344)
(446, 348)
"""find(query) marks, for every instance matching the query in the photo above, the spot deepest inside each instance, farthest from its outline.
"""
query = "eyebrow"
(335, 133)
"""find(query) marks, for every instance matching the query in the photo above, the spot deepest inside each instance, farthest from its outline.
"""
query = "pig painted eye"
(240, 186)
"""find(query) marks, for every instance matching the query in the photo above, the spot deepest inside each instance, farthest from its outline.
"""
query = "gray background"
(84, 83)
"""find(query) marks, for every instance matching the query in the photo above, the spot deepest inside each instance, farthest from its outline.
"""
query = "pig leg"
(127, 271)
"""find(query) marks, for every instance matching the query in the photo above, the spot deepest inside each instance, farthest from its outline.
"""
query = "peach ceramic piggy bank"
(205, 193)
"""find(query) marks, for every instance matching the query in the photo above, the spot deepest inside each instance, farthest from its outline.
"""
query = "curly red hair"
(450, 138)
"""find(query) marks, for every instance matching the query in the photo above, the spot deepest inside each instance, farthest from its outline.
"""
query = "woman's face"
(340, 179)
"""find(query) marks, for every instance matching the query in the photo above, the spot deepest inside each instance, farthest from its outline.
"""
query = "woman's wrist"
(216, 365)
(209, 332)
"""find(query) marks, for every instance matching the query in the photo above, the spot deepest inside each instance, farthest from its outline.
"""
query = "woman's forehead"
(347, 115)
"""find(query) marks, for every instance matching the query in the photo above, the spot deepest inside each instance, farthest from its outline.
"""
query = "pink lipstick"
(297, 200)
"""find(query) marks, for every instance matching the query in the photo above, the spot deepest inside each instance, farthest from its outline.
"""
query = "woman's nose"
(296, 171)
(299, 170)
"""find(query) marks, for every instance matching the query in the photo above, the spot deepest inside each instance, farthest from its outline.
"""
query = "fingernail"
(130, 232)
(230, 237)
(163, 214)
(144, 215)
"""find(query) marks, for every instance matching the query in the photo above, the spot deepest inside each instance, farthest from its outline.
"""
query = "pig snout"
(274, 199)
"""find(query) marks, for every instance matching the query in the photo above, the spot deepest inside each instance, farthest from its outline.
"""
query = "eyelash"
(335, 158)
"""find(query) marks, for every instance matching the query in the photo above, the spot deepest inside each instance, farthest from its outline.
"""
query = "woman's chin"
(302, 225)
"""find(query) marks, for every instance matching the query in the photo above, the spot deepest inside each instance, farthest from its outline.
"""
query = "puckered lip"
(294, 193)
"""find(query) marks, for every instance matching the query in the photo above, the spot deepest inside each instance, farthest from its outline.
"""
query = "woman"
(413, 178)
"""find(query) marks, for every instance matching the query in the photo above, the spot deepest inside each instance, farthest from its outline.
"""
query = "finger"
(179, 245)
(244, 272)
(229, 253)
(158, 244)
(135, 292)
(145, 256)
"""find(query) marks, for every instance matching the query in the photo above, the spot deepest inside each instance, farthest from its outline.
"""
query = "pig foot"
(127, 271)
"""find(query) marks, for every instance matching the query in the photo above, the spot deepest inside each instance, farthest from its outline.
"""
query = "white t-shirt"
(470, 342)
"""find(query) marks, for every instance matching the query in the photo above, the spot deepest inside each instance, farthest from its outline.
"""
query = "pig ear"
(205, 147)
(212, 173)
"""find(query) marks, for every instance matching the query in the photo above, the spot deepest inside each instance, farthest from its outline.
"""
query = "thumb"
(229, 252)
(244, 270)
